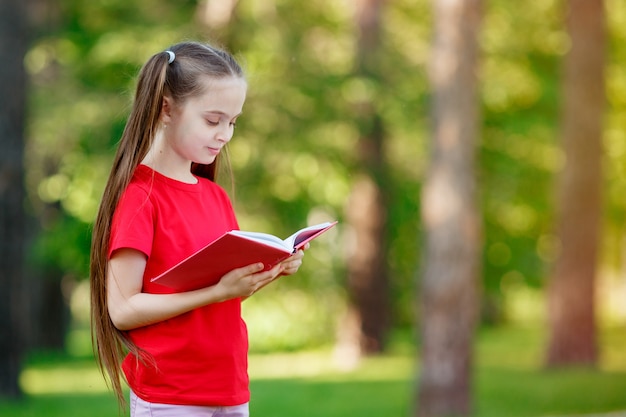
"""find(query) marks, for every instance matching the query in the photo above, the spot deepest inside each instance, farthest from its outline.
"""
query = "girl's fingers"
(261, 280)
(252, 269)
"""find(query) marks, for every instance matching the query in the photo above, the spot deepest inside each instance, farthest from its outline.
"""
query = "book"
(232, 250)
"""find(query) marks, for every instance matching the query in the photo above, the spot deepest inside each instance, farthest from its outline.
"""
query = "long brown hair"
(180, 80)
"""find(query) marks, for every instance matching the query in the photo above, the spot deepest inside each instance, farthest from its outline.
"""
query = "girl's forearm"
(143, 309)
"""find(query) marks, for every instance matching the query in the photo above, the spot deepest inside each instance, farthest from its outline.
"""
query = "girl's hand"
(243, 282)
(292, 264)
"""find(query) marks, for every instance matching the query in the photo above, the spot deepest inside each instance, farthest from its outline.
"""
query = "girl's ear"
(166, 109)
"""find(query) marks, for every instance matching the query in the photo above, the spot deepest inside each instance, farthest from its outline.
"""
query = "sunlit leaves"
(294, 147)
(509, 85)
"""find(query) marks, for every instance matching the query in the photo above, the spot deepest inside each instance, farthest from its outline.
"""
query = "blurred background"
(340, 124)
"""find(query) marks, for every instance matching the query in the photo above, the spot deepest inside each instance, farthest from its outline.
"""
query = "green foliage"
(615, 137)
(63, 246)
(520, 156)
(294, 151)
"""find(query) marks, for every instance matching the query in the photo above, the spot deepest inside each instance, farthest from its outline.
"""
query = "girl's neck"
(165, 161)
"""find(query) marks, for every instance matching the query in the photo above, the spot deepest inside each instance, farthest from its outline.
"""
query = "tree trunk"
(50, 312)
(13, 45)
(571, 290)
(365, 327)
(450, 215)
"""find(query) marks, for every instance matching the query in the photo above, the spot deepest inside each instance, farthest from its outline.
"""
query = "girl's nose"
(225, 134)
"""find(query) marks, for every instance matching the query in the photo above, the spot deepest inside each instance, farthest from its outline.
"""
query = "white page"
(265, 238)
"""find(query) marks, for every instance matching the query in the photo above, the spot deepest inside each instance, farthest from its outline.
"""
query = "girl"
(187, 352)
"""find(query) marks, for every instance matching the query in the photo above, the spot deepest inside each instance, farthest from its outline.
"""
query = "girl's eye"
(213, 122)
(233, 124)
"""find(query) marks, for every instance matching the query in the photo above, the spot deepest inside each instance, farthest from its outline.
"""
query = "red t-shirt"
(200, 357)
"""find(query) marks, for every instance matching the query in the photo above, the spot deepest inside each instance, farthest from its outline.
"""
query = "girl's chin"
(204, 161)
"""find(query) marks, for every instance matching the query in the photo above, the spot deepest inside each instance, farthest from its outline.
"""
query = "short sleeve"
(133, 222)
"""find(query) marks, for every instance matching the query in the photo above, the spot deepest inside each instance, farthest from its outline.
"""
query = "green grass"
(538, 393)
(509, 382)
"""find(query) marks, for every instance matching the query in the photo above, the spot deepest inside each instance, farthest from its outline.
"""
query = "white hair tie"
(172, 56)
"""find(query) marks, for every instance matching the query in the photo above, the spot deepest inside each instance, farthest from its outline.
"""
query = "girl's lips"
(214, 151)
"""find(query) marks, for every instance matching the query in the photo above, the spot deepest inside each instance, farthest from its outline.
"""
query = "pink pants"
(141, 408)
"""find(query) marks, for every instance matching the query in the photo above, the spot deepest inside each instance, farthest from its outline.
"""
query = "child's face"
(199, 128)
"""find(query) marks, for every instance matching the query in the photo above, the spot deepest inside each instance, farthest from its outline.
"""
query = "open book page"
(304, 235)
(263, 237)
(292, 242)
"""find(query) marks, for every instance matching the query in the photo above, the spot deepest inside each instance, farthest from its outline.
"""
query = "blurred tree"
(450, 215)
(571, 290)
(49, 315)
(368, 318)
(13, 46)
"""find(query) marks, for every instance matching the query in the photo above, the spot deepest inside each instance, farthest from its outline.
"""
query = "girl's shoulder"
(141, 182)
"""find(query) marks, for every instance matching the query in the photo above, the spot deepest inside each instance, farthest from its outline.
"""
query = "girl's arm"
(129, 308)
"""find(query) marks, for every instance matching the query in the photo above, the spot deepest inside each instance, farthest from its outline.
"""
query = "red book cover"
(235, 249)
